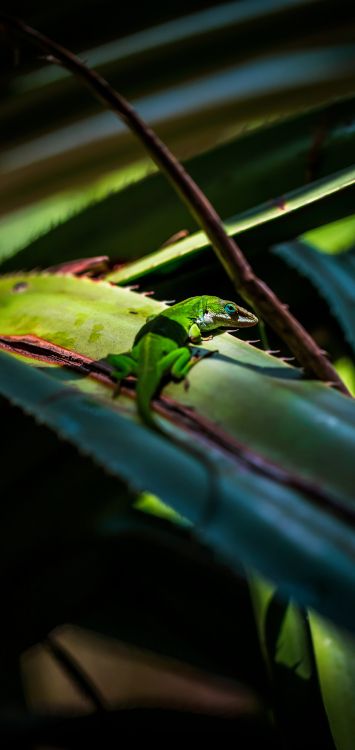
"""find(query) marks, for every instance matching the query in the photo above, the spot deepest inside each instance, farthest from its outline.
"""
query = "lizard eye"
(230, 308)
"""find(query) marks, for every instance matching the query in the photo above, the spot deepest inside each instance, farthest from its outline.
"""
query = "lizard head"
(221, 313)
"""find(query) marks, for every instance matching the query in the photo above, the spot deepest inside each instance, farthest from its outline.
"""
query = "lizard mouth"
(245, 318)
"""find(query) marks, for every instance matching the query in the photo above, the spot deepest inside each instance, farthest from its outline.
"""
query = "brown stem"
(247, 284)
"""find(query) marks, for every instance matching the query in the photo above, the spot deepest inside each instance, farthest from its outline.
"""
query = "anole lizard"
(160, 349)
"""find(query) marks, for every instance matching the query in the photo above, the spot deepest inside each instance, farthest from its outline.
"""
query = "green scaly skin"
(160, 350)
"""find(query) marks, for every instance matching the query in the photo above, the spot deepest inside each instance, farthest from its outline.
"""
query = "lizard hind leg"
(123, 365)
(185, 361)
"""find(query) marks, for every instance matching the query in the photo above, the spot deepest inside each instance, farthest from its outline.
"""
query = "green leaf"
(281, 632)
(255, 520)
(333, 238)
(346, 369)
(286, 642)
(24, 225)
(192, 113)
(96, 318)
(335, 654)
(332, 275)
(235, 177)
(292, 214)
(153, 506)
(92, 318)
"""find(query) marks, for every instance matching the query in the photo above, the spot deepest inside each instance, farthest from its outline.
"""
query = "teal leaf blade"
(311, 555)
(332, 275)
(256, 521)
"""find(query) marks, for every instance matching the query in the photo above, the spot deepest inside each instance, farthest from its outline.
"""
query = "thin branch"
(247, 284)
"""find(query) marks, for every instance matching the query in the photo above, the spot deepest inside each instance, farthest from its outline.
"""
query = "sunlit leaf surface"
(308, 422)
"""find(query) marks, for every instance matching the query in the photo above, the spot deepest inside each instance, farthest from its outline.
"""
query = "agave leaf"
(20, 227)
(266, 525)
(274, 621)
(235, 176)
(42, 475)
(285, 637)
(80, 521)
(95, 318)
(332, 275)
(250, 27)
(333, 238)
(162, 56)
(188, 116)
(293, 213)
(346, 370)
(334, 652)
(258, 522)
(78, 314)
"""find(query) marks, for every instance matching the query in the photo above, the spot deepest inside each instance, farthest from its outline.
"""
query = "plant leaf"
(293, 212)
(35, 220)
(286, 643)
(334, 651)
(236, 178)
(257, 90)
(332, 238)
(266, 525)
(332, 275)
(78, 314)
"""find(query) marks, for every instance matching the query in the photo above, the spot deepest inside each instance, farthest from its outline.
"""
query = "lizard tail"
(145, 395)
(144, 400)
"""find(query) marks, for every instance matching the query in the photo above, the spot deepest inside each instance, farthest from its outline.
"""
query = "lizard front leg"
(194, 333)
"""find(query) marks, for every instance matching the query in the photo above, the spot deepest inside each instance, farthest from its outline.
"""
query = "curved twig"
(247, 284)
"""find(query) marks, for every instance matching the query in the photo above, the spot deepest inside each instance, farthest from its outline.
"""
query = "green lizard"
(160, 349)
